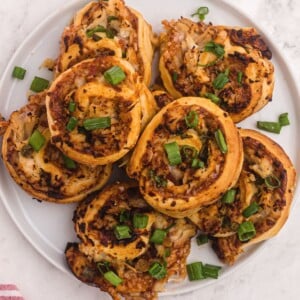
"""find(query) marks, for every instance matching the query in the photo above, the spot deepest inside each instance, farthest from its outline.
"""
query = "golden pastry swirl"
(130, 258)
(106, 28)
(94, 97)
(266, 184)
(230, 64)
(45, 174)
(204, 172)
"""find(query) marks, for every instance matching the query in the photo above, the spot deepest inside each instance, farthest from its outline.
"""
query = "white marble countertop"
(272, 274)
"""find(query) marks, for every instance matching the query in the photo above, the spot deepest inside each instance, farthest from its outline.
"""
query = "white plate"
(48, 226)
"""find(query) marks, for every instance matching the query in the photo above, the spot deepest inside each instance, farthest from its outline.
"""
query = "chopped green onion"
(191, 119)
(197, 163)
(140, 221)
(227, 72)
(284, 119)
(122, 232)
(220, 81)
(111, 18)
(90, 32)
(229, 196)
(124, 216)
(72, 106)
(39, 84)
(114, 75)
(158, 236)
(195, 271)
(201, 12)
(272, 182)
(215, 48)
(71, 125)
(69, 163)
(174, 76)
(97, 123)
(112, 278)
(189, 152)
(159, 180)
(240, 77)
(110, 33)
(202, 239)
(173, 153)
(246, 231)
(167, 252)
(211, 271)
(18, 72)
(221, 141)
(273, 127)
(37, 140)
(157, 270)
(103, 266)
(251, 210)
(214, 98)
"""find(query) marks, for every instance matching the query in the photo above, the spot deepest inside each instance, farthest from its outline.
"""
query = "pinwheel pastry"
(258, 206)
(229, 65)
(38, 166)
(188, 156)
(94, 110)
(127, 249)
(105, 28)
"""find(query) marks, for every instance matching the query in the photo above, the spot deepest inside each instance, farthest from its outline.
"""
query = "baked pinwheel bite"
(39, 167)
(258, 206)
(229, 65)
(127, 249)
(105, 28)
(188, 156)
(94, 110)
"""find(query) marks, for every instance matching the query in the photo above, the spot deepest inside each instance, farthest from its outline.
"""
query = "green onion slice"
(221, 141)
(158, 236)
(90, 32)
(284, 119)
(140, 221)
(173, 153)
(214, 48)
(251, 210)
(191, 119)
(37, 140)
(97, 123)
(18, 72)
(195, 271)
(39, 84)
(112, 278)
(112, 18)
(124, 216)
(197, 163)
(201, 12)
(114, 75)
(159, 180)
(122, 232)
(189, 152)
(272, 182)
(157, 270)
(69, 163)
(214, 98)
(229, 196)
(240, 77)
(103, 266)
(202, 239)
(72, 123)
(72, 106)
(273, 127)
(220, 81)
(211, 271)
(246, 231)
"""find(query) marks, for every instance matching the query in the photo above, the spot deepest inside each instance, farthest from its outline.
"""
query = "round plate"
(49, 226)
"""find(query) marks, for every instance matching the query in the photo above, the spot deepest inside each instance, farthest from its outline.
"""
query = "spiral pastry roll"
(94, 110)
(39, 167)
(258, 206)
(127, 249)
(229, 65)
(105, 28)
(188, 156)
